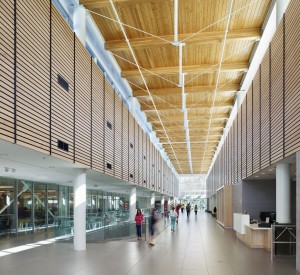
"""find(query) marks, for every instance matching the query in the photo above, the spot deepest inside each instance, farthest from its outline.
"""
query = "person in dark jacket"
(188, 210)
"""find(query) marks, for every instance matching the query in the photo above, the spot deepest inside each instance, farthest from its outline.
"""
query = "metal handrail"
(276, 240)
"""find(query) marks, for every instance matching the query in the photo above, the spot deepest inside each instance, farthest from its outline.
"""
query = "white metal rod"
(180, 66)
(175, 20)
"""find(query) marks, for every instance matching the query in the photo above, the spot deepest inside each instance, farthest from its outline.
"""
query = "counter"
(256, 237)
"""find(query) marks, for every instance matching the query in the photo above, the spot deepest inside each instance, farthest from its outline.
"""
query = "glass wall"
(32, 207)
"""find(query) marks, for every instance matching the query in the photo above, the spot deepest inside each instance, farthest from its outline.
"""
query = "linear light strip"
(134, 57)
(218, 75)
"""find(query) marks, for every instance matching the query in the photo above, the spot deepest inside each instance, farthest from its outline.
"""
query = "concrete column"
(132, 203)
(281, 6)
(79, 23)
(298, 211)
(152, 200)
(162, 202)
(283, 187)
(80, 210)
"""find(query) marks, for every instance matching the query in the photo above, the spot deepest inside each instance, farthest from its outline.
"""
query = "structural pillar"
(283, 187)
(281, 6)
(162, 202)
(80, 210)
(298, 211)
(79, 23)
(152, 200)
(132, 203)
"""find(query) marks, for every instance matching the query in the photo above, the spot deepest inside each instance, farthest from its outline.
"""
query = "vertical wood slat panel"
(141, 156)
(244, 139)
(239, 145)
(292, 61)
(265, 111)
(62, 106)
(109, 129)
(118, 136)
(145, 158)
(33, 71)
(149, 162)
(256, 123)
(7, 127)
(83, 103)
(276, 95)
(131, 148)
(97, 118)
(125, 145)
(136, 152)
(249, 132)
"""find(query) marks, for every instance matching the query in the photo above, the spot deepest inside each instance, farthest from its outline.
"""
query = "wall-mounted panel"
(98, 122)
(83, 104)
(118, 123)
(131, 148)
(62, 86)
(33, 74)
(125, 143)
(265, 111)
(277, 95)
(249, 131)
(109, 129)
(292, 61)
(256, 122)
(7, 128)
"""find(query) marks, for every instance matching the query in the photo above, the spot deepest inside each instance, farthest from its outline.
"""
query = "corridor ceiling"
(187, 111)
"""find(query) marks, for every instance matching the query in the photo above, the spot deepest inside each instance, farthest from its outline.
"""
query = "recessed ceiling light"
(256, 176)
(263, 173)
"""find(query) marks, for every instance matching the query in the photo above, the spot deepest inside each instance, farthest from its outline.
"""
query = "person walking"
(177, 209)
(188, 210)
(139, 217)
(152, 222)
(196, 209)
(173, 217)
(182, 208)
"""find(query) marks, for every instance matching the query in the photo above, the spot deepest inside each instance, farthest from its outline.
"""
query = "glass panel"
(52, 205)
(25, 206)
(40, 206)
(7, 211)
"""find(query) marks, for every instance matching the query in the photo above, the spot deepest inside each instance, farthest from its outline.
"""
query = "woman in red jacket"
(139, 217)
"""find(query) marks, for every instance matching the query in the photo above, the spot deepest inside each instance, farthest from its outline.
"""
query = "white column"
(281, 6)
(80, 210)
(79, 23)
(283, 187)
(152, 200)
(298, 211)
(132, 203)
(162, 202)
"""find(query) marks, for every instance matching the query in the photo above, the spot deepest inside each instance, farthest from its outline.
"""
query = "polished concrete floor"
(198, 246)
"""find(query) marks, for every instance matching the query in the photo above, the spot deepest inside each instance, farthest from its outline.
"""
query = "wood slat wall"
(83, 104)
(98, 121)
(7, 61)
(118, 125)
(109, 129)
(62, 95)
(62, 101)
(265, 111)
(32, 74)
(277, 95)
(267, 123)
(256, 123)
(125, 144)
(292, 65)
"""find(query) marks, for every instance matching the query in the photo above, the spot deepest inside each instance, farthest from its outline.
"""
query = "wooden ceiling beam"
(192, 130)
(166, 107)
(195, 90)
(188, 69)
(97, 4)
(191, 126)
(200, 38)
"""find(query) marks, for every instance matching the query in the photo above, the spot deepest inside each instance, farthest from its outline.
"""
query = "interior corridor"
(198, 246)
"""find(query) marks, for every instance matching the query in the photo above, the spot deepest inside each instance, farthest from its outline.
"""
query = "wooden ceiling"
(210, 88)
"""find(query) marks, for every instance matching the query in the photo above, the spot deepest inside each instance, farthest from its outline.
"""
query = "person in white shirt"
(173, 217)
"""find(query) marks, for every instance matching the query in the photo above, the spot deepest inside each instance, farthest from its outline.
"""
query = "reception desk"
(256, 237)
